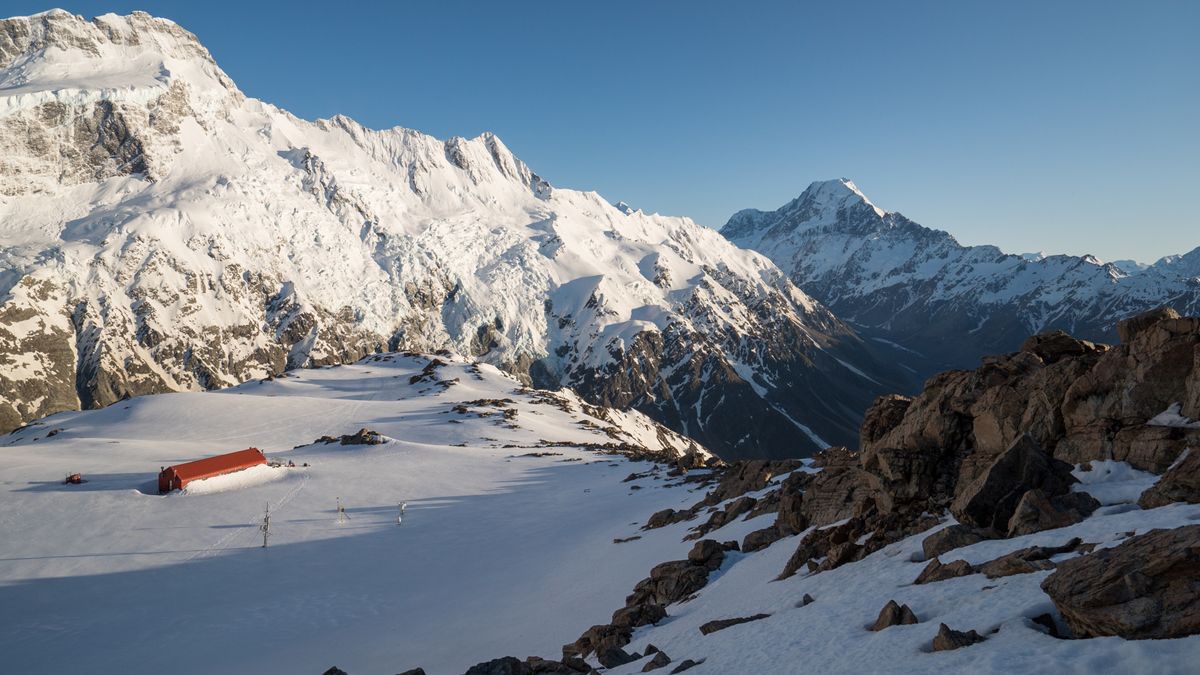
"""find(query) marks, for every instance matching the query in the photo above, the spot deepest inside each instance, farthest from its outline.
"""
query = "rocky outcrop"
(994, 446)
(1181, 483)
(1148, 587)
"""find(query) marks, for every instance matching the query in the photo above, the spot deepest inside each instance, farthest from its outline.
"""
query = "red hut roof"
(178, 476)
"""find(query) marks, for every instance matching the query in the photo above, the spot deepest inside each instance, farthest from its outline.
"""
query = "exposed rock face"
(1147, 587)
(990, 500)
(1181, 483)
(946, 304)
(836, 494)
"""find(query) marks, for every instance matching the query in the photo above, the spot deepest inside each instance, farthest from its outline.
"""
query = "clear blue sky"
(1069, 127)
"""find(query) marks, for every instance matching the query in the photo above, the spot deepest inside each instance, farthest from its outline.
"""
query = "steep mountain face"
(161, 231)
(943, 303)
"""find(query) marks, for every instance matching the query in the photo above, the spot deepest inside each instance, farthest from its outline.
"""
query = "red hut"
(177, 477)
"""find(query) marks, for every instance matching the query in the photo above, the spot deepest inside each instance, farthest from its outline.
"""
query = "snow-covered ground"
(497, 553)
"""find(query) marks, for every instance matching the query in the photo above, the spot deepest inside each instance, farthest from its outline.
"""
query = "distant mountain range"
(941, 303)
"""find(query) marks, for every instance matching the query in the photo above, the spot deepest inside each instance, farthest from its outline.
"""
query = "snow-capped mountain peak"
(160, 231)
(918, 287)
(822, 204)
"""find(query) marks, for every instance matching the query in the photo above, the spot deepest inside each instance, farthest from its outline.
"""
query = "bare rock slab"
(1148, 587)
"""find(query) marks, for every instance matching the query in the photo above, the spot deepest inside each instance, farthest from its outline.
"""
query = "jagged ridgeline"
(161, 231)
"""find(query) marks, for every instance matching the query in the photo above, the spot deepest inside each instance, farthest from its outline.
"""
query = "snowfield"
(500, 553)
(497, 552)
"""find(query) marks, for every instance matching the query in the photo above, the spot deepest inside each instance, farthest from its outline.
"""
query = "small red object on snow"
(74, 479)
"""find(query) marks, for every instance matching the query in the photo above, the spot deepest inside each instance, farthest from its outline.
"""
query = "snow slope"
(500, 552)
(160, 231)
(898, 281)
(497, 550)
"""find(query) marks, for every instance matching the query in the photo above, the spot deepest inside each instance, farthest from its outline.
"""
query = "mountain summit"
(161, 231)
(902, 283)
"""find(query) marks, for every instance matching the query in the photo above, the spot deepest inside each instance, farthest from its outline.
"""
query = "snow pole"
(266, 524)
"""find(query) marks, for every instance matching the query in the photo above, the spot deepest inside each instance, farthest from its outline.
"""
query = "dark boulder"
(947, 639)
(507, 665)
(659, 660)
(1026, 560)
(760, 539)
(894, 614)
(634, 616)
(950, 538)
(936, 571)
(611, 657)
(1181, 483)
(707, 553)
(1148, 587)
(991, 499)
(667, 517)
(1037, 512)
